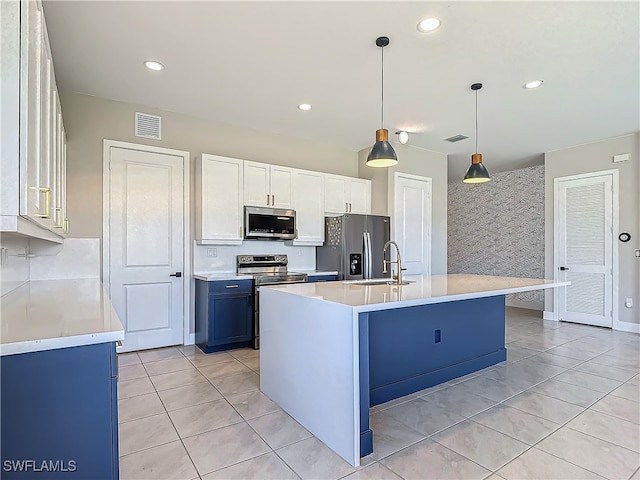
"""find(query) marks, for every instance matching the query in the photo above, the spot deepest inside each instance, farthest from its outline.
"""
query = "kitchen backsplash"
(497, 228)
(14, 267)
(75, 258)
(224, 257)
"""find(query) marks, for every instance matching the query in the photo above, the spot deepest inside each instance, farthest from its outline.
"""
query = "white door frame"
(188, 338)
(392, 198)
(615, 324)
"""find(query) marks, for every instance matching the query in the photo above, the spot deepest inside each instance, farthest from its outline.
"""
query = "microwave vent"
(148, 126)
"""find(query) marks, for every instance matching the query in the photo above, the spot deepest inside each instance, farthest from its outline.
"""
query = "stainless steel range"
(266, 270)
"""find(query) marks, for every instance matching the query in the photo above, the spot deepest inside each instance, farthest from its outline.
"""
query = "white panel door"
(359, 196)
(256, 184)
(281, 187)
(585, 249)
(412, 222)
(146, 246)
(309, 206)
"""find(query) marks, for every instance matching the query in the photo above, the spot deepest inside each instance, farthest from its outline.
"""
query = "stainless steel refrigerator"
(353, 246)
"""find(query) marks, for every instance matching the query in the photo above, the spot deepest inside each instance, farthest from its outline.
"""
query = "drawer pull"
(231, 286)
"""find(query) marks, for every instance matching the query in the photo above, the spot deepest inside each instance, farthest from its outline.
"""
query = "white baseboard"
(627, 327)
(546, 315)
(191, 339)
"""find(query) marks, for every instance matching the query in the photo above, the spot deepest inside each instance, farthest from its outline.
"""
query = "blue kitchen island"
(331, 351)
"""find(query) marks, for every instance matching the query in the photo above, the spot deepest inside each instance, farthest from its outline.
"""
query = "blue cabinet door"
(59, 414)
(230, 319)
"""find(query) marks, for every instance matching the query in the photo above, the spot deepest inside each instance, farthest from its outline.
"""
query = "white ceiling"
(251, 63)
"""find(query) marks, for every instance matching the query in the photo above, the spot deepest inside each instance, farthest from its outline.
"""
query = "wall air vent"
(455, 138)
(148, 126)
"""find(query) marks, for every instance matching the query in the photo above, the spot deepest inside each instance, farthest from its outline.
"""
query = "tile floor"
(565, 405)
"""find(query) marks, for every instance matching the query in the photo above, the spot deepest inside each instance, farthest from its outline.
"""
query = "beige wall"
(90, 120)
(594, 157)
(415, 161)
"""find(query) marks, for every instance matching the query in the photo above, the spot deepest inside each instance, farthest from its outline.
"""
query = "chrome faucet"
(398, 277)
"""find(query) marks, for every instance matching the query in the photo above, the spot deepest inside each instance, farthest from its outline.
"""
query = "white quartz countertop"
(218, 276)
(49, 314)
(424, 289)
(221, 276)
(314, 273)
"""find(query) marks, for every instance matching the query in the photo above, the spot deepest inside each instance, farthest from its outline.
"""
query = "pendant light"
(476, 173)
(382, 153)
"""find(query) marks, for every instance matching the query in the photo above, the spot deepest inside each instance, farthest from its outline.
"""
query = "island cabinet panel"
(414, 348)
(60, 413)
(224, 315)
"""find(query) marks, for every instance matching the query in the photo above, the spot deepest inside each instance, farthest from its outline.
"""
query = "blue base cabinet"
(322, 278)
(224, 315)
(60, 414)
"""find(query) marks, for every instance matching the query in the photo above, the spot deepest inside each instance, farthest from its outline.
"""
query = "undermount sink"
(377, 281)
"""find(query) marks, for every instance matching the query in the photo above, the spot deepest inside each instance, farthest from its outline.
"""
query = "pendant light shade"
(476, 173)
(382, 153)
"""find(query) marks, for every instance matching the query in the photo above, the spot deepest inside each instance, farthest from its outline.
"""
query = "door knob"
(564, 268)
(177, 274)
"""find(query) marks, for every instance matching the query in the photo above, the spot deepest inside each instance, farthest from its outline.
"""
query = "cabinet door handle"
(267, 199)
(346, 207)
(58, 218)
(231, 286)
(177, 274)
(273, 200)
(564, 268)
(66, 226)
(47, 203)
(349, 207)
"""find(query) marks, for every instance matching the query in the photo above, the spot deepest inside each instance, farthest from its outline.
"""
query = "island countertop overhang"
(423, 290)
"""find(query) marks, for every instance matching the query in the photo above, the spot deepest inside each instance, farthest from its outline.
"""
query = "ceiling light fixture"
(382, 153)
(304, 107)
(403, 137)
(428, 25)
(152, 65)
(476, 173)
(533, 84)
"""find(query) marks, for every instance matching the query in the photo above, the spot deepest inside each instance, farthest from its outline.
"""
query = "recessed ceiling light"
(304, 107)
(428, 24)
(533, 84)
(151, 65)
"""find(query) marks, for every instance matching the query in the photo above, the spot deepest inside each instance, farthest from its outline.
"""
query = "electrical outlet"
(212, 252)
(637, 252)
(628, 302)
(300, 252)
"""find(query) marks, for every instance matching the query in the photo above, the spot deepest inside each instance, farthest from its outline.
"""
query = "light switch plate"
(212, 252)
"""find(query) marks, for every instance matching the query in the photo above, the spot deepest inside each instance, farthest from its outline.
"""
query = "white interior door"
(412, 221)
(146, 246)
(584, 248)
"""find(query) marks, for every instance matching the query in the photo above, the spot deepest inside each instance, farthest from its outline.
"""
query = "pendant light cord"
(382, 104)
(476, 121)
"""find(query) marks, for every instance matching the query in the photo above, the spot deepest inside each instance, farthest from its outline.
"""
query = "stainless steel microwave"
(269, 223)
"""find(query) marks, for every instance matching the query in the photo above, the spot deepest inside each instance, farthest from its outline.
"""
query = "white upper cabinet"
(268, 185)
(308, 201)
(359, 196)
(32, 135)
(219, 186)
(346, 195)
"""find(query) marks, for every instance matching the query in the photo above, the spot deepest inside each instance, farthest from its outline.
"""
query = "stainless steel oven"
(266, 270)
